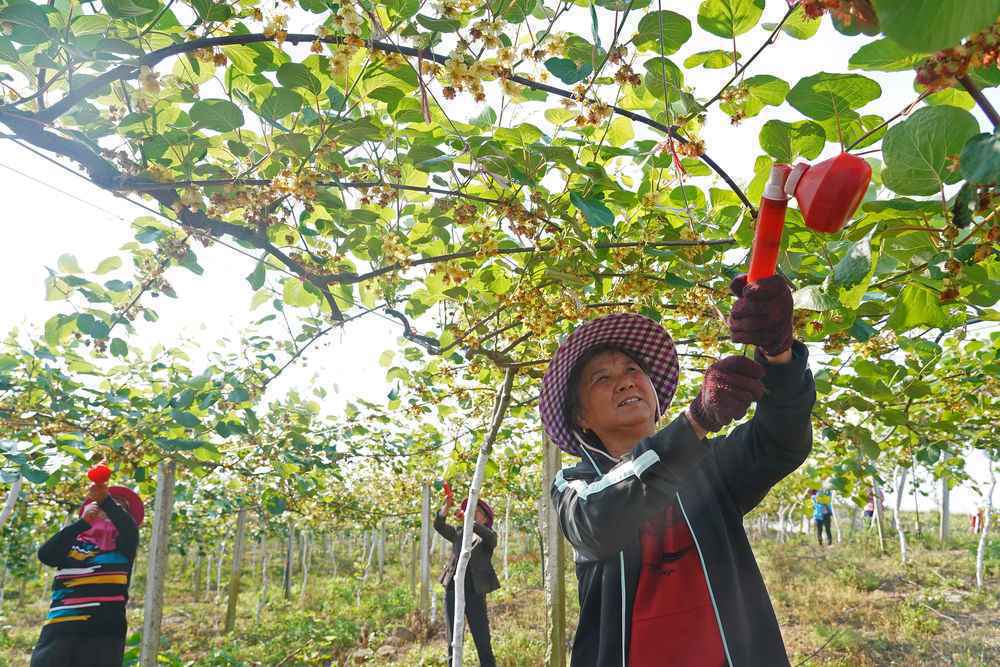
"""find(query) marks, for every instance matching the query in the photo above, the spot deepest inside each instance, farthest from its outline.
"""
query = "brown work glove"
(729, 387)
(762, 314)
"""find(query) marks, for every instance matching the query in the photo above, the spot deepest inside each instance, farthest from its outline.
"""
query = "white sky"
(44, 221)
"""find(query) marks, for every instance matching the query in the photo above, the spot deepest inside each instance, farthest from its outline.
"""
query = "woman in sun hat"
(666, 573)
(85, 626)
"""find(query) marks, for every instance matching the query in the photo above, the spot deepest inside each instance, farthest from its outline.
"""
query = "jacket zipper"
(708, 582)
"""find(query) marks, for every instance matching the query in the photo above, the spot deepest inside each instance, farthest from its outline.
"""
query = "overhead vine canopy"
(488, 173)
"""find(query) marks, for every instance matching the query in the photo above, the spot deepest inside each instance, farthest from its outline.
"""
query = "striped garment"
(90, 588)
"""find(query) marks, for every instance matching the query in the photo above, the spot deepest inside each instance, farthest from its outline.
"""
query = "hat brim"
(483, 505)
(638, 334)
(133, 502)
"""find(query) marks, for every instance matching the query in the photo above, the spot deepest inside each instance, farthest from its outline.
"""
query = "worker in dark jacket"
(480, 577)
(85, 626)
(666, 574)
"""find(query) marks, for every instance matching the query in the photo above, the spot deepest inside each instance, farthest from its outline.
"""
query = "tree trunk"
(499, 411)
(264, 583)
(555, 565)
(208, 574)
(984, 532)
(305, 566)
(425, 551)
(506, 538)
(944, 528)
(218, 569)
(234, 573)
(900, 490)
(8, 506)
(878, 517)
(3, 582)
(157, 570)
(371, 554)
(414, 556)
(916, 492)
(836, 521)
(289, 555)
(381, 550)
(196, 584)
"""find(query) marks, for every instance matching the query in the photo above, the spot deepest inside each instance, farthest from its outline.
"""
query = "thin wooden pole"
(555, 565)
(234, 573)
(157, 569)
(425, 551)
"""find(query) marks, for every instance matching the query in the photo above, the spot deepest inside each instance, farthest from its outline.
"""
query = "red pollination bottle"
(770, 222)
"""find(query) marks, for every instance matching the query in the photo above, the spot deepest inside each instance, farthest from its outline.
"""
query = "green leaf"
(119, 348)
(218, 115)
(676, 31)
(108, 265)
(917, 151)
(980, 159)
(916, 306)
(761, 90)
(620, 131)
(786, 142)
(129, 8)
(438, 24)
(593, 209)
(714, 59)
(595, 32)
(952, 97)
(280, 102)
(932, 25)
(385, 359)
(185, 418)
(294, 293)
(297, 75)
(256, 277)
(827, 95)
(239, 394)
(91, 326)
(29, 23)
(798, 25)
(814, 297)
(846, 131)
(729, 18)
(180, 444)
(884, 55)
(67, 264)
(7, 50)
(663, 79)
(568, 71)
(855, 265)
(212, 11)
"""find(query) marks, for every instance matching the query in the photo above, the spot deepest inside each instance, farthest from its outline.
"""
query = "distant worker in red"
(85, 626)
(666, 573)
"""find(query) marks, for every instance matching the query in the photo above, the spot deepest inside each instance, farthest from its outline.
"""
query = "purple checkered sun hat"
(638, 334)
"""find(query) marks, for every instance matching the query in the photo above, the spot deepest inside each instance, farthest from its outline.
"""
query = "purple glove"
(730, 385)
(762, 314)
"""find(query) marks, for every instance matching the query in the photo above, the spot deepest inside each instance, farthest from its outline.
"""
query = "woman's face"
(615, 395)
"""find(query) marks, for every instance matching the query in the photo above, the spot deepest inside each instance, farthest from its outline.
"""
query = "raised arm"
(54, 552)
(128, 532)
(600, 517)
(760, 453)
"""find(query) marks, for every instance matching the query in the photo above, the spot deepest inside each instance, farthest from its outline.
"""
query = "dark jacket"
(86, 573)
(714, 482)
(480, 569)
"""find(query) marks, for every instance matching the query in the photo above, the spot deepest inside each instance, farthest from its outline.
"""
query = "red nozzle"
(447, 491)
(99, 474)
